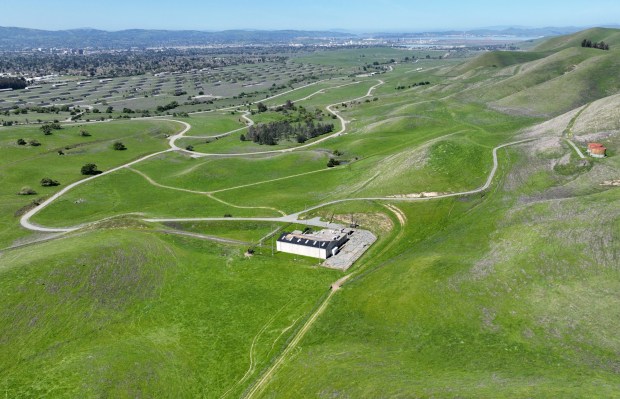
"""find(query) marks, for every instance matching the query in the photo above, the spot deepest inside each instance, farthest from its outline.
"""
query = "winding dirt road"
(291, 218)
(25, 219)
(342, 130)
(295, 217)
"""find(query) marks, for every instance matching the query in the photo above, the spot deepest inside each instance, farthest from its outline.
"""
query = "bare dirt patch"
(611, 183)
(424, 194)
(601, 115)
(593, 137)
(553, 127)
(374, 221)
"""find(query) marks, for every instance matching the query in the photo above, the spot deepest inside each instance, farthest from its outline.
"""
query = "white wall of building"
(302, 250)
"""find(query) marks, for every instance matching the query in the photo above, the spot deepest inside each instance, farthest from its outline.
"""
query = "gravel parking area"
(358, 243)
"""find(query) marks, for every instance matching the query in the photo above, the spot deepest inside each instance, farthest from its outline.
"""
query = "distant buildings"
(322, 244)
(596, 150)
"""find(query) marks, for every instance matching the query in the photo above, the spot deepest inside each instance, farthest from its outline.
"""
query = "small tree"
(190, 148)
(47, 182)
(332, 162)
(241, 137)
(21, 142)
(118, 146)
(90, 169)
(46, 129)
(261, 107)
(109, 109)
(84, 133)
(34, 143)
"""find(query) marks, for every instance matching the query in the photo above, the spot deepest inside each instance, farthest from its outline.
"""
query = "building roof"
(321, 240)
(595, 145)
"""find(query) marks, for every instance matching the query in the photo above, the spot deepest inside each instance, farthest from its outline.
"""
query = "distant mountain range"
(23, 38)
(503, 31)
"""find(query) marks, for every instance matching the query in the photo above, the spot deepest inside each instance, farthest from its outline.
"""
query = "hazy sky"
(358, 15)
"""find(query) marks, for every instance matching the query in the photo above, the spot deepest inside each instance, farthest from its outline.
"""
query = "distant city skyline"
(354, 16)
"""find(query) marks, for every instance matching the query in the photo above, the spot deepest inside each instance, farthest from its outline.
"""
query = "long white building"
(322, 244)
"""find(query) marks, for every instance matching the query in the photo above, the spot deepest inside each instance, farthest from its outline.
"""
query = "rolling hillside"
(499, 59)
(495, 273)
(555, 77)
(611, 36)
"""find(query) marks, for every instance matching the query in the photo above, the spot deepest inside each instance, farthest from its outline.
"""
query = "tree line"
(13, 83)
(402, 87)
(271, 133)
(590, 44)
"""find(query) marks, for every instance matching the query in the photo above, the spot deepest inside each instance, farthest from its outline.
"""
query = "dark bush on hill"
(48, 127)
(167, 107)
(90, 169)
(47, 182)
(332, 162)
(261, 107)
(118, 146)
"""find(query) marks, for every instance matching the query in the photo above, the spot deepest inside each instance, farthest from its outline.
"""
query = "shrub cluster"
(600, 45)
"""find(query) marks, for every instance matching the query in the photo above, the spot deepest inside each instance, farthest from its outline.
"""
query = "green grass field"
(160, 315)
(510, 292)
(27, 165)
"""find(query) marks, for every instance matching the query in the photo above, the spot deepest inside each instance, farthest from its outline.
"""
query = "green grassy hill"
(583, 82)
(122, 311)
(497, 84)
(498, 59)
(506, 295)
(449, 317)
(510, 292)
(558, 76)
(610, 36)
